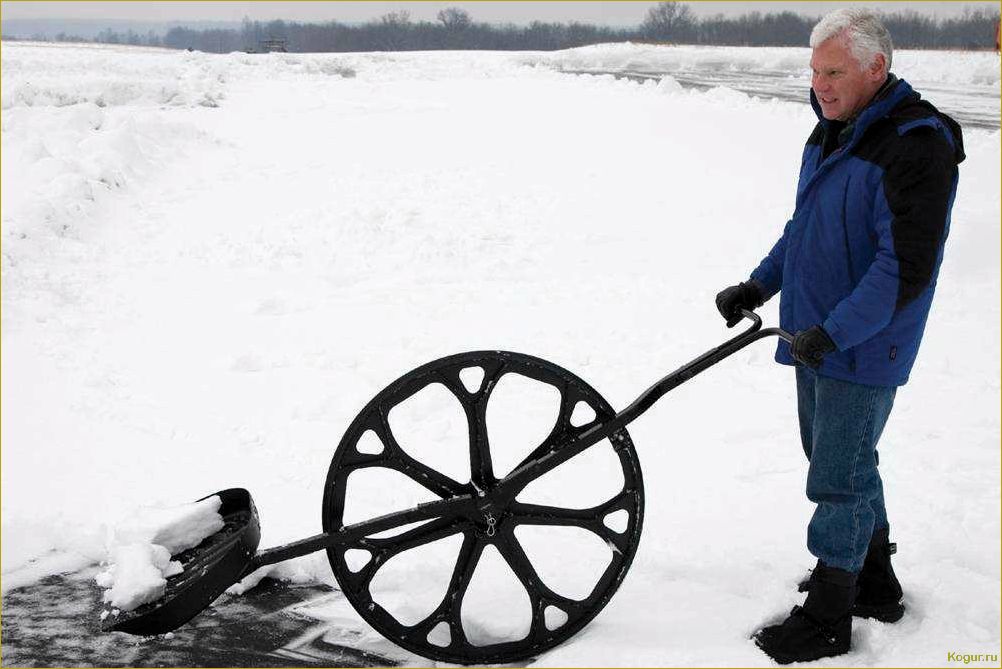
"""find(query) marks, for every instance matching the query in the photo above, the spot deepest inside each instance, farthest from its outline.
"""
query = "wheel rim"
(477, 530)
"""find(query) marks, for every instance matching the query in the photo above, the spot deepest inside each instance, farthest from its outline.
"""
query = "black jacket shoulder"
(913, 131)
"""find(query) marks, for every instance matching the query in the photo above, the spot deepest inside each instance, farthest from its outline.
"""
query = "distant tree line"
(666, 22)
(106, 36)
(397, 32)
(674, 22)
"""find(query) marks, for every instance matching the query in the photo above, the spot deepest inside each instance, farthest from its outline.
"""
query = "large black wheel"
(491, 522)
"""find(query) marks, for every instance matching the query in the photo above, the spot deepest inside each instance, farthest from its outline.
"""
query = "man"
(857, 267)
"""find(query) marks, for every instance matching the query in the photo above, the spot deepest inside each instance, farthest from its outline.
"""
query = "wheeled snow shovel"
(484, 512)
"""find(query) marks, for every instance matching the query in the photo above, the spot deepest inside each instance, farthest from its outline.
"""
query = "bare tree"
(401, 18)
(394, 30)
(668, 21)
(454, 18)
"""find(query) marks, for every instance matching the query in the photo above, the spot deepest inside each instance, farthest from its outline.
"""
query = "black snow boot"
(879, 591)
(822, 627)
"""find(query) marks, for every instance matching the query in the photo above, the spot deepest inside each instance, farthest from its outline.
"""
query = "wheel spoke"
(541, 514)
(394, 457)
(432, 479)
(619, 541)
(526, 574)
(561, 428)
(513, 553)
(387, 547)
(591, 519)
(355, 460)
(449, 609)
(381, 426)
(459, 581)
(475, 406)
(481, 465)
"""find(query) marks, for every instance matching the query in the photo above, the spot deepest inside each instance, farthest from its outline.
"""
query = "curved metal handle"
(757, 325)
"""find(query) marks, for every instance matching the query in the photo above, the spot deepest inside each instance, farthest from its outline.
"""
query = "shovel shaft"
(518, 479)
(691, 369)
(349, 533)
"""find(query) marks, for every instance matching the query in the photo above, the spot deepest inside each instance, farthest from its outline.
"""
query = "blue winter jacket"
(861, 254)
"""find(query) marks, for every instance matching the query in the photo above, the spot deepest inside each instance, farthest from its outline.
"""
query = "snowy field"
(211, 263)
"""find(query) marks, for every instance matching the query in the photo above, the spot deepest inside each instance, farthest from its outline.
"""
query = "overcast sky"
(610, 13)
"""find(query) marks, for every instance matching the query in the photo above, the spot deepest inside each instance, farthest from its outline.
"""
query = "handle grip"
(757, 325)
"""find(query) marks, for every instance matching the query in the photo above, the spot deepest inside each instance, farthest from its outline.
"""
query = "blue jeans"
(840, 423)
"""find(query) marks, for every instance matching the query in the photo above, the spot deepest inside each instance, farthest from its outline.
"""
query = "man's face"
(840, 84)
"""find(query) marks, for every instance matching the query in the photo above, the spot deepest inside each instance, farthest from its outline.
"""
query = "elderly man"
(857, 267)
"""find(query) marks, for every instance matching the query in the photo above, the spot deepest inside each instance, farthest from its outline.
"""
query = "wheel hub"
(488, 519)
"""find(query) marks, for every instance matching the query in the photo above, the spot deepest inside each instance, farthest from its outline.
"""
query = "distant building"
(269, 45)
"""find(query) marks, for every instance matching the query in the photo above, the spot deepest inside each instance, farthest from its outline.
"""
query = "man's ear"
(877, 69)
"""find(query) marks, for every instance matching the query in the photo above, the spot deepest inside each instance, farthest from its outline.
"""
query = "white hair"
(863, 30)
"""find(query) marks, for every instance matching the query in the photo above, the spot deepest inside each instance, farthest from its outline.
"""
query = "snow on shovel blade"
(209, 568)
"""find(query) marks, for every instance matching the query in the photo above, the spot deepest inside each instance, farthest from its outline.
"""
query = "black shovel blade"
(209, 568)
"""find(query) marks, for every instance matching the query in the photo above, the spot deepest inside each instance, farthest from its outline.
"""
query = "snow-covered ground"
(211, 263)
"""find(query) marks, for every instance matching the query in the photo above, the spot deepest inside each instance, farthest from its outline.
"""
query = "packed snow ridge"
(922, 67)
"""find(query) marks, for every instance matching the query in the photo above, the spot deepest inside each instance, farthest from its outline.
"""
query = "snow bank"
(79, 124)
(139, 559)
(40, 75)
(976, 68)
(69, 163)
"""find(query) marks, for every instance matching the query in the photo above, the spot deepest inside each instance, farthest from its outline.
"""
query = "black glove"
(730, 301)
(809, 346)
